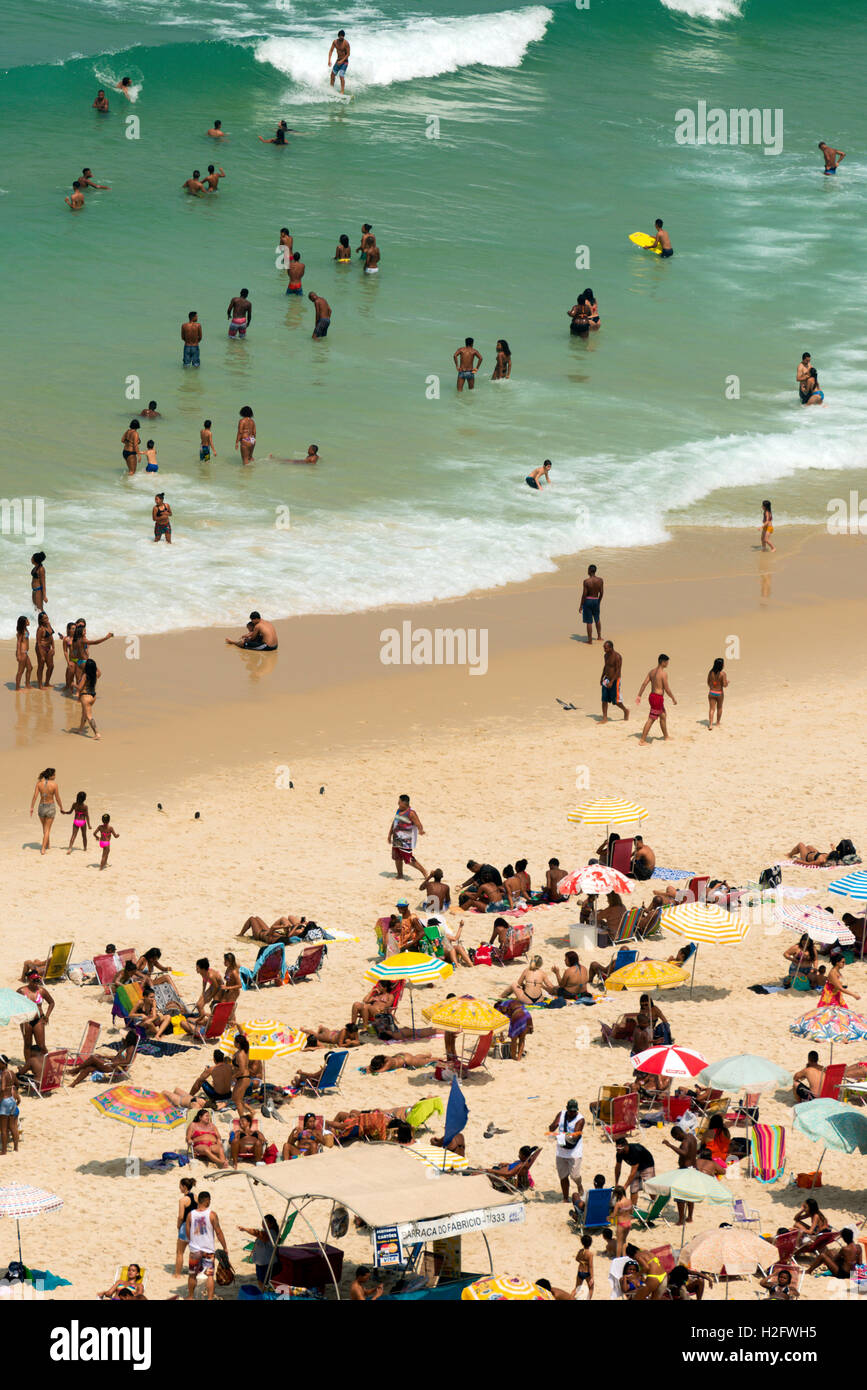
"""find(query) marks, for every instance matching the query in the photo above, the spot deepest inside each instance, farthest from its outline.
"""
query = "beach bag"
(225, 1274)
(482, 955)
(845, 850)
(271, 1153)
(809, 1179)
(771, 878)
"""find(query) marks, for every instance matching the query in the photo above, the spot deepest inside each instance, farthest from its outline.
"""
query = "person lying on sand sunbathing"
(285, 929)
(357, 1124)
(398, 1061)
(347, 1036)
(809, 854)
(106, 1065)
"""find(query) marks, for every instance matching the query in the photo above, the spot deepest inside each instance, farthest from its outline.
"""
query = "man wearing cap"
(569, 1128)
(410, 928)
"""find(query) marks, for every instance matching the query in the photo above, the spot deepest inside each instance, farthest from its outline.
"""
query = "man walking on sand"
(611, 680)
(203, 1225)
(657, 679)
(402, 835)
(591, 603)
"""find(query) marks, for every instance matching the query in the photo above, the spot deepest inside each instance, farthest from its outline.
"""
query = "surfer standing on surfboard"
(662, 239)
(341, 50)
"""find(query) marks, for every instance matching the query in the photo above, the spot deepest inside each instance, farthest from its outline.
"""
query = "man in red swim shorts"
(657, 679)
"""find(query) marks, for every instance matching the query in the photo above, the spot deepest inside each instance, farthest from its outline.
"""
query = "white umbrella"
(15, 1008)
(20, 1201)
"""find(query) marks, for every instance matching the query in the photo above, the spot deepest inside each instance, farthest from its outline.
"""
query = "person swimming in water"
(539, 475)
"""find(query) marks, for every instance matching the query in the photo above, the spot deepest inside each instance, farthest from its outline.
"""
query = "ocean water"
(486, 143)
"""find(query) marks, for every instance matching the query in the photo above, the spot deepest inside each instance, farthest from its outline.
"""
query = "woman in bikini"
(592, 308)
(37, 581)
(503, 366)
(186, 1204)
(44, 652)
(33, 1029)
(767, 526)
(245, 439)
(243, 1082)
(580, 316)
(131, 443)
(622, 1212)
(204, 1139)
(717, 681)
(161, 514)
(810, 1221)
(584, 1273)
(68, 658)
(532, 984)
(131, 1287)
(342, 254)
(108, 1065)
(80, 820)
(834, 989)
(48, 792)
(22, 653)
(86, 697)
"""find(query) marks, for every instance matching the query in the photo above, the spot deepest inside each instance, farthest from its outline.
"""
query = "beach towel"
(672, 875)
(151, 1047)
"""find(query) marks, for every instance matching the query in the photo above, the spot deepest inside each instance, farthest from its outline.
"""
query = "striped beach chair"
(767, 1152)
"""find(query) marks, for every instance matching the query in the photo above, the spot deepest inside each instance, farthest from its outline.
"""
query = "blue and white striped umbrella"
(854, 885)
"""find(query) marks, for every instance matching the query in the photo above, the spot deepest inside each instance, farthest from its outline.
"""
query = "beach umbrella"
(268, 1039)
(690, 1185)
(669, 1061)
(465, 1015)
(435, 1156)
(832, 1124)
(745, 1072)
(19, 1201)
(504, 1287)
(853, 886)
(647, 974)
(819, 925)
(607, 812)
(735, 1251)
(414, 968)
(704, 922)
(832, 1023)
(139, 1108)
(14, 1008)
(595, 878)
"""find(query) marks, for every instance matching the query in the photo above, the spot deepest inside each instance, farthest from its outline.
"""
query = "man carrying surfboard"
(340, 48)
(662, 239)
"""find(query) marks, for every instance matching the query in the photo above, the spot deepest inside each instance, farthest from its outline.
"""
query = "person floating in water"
(467, 360)
(832, 157)
(662, 239)
(312, 456)
(539, 475)
(340, 49)
(279, 136)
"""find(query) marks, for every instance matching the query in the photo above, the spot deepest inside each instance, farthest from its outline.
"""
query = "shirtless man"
(194, 185)
(347, 1036)
(591, 603)
(802, 376)
(686, 1149)
(216, 1081)
(643, 860)
(340, 49)
(76, 202)
(571, 982)
(467, 365)
(212, 984)
(372, 257)
(410, 928)
(85, 180)
(261, 637)
(322, 310)
(217, 132)
(367, 238)
(101, 102)
(663, 240)
(552, 878)
(191, 336)
(151, 413)
(434, 887)
(831, 157)
(212, 178)
(807, 1083)
(657, 679)
(125, 86)
(844, 1258)
(296, 270)
(610, 680)
(239, 314)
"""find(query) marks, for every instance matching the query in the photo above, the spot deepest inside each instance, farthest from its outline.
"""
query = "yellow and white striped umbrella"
(647, 974)
(465, 1016)
(705, 922)
(603, 811)
(504, 1287)
(411, 966)
(443, 1159)
(268, 1039)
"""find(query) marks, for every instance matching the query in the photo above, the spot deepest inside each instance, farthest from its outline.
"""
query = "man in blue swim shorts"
(340, 49)
(610, 682)
(591, 603)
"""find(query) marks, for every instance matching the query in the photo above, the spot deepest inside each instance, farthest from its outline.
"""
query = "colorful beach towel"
(672, 875)
(768, 1152)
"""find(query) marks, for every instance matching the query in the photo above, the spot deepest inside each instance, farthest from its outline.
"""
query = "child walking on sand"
(105, 833)
(80, 820)
(767, 527)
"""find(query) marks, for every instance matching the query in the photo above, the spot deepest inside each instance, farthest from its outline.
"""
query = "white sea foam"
(418, 48)
(706, 9)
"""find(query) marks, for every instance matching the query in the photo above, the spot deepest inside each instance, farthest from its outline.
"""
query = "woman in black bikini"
(37, 581)
(591, 308)
(532, 985)
(162, 519)
(131, 446)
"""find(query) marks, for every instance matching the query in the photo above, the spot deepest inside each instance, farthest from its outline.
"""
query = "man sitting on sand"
(438, 893)
(572, 981)
(261, 636)
(552, 877)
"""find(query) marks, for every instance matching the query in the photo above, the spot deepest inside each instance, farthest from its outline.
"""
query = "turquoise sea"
(485, 143)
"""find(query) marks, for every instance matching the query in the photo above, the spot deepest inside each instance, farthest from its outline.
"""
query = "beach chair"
(746, 1111)
(653, 1213)
(86, 1047)
(58, 960)
(622, 958)
(168, 1000)
(387, 941)
(817, 1243)
(743, 1216)
(329, 1082)
(597, 1210)
(269, 968)
(518, 1178)
(462, 1069)
(696, 890)
(831, 1082)
(432, 942)
(795, 1270)
(602, 1108)
(518, 942)
(624, 1117)
(125, 999)
(675, 1107)
(767, 1152)
(620, 856)
(123, 1074)
(625, 929)
(716, 1104)
(53, 1068)
(666, 1256)
(308, 963)
(652, 931)
(107, 967)
(121, 1274)
(219, 1021)
(786, 1243)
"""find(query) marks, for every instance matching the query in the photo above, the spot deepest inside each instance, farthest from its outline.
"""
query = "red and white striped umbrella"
(678, 1062)
(595, 878)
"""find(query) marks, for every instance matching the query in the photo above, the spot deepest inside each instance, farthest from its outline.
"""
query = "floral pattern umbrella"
(504, 1287)
(139, 1108)
(595, 878)
(831, 1023)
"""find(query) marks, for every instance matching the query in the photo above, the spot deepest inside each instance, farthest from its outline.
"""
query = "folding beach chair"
(675, 1107)
(462, 1069)
(795, 1270)
(518, 1178)
(308, 963)
(831, 1082)
(767, 1152)
(121, 1275)
(125, 999)
(86, 1047)
(518, 942)
(622, 958)
(107, 967)
(53, 1068)
(596, 1214)
(624, 1117)
(652, 931)
(625, 929)
(743, 1215)
(620, 856)
(168, 1000)
(269, 967)
(58, 960)
(601, 1111)
(696, 890)
(644, 1219)
(329, 1082)
(219, 1021)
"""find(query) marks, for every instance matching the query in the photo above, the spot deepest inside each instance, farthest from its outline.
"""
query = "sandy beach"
(493, 764)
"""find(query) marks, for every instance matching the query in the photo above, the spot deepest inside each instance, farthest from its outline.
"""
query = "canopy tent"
(380, 1184)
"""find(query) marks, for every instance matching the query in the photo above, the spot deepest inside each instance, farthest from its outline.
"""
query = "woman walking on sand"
(767, 526)
(86, 697)
(44, 652)
(717, 680)
(48, 792)
(22, 653)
